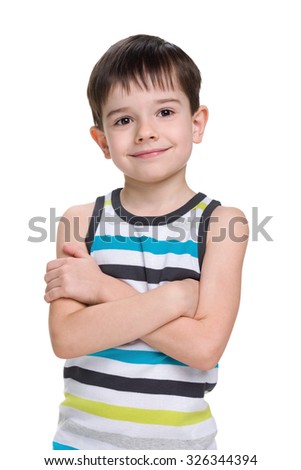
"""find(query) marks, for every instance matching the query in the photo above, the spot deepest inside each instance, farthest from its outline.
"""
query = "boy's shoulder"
(225, 213)
(75, 221)
(228, 222)
(80, 210)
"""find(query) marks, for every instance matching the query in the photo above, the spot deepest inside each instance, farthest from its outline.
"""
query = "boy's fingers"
(52, 295)
(54, 264)
(50, 275)
(75, 251)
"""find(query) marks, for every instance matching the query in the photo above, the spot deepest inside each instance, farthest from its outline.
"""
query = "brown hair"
(138, 59)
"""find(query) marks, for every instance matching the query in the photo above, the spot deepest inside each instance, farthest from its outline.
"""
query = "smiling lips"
(150, 153)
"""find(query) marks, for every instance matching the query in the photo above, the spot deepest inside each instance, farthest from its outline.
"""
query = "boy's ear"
(101, 140)
(199, 121)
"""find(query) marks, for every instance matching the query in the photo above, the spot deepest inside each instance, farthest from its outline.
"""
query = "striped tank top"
(133, 396)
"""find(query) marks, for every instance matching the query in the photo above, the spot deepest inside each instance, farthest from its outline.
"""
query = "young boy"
(144, 295)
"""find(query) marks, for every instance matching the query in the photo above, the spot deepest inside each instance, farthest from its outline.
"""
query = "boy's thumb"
(75, 250)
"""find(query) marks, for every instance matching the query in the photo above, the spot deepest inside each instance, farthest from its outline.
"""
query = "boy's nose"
(146, 131)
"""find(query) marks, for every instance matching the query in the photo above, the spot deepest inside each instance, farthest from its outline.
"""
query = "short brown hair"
(138, 59)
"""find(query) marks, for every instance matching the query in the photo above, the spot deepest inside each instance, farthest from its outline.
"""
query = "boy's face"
(149, 133)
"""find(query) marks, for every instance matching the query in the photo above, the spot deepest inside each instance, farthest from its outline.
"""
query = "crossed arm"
(188, 320)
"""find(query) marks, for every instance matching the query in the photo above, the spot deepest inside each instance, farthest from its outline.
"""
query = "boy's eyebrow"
(117, 111)
(126, 109)
(168, 100)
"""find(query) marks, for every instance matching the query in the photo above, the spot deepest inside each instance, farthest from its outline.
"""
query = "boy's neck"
(154, 199)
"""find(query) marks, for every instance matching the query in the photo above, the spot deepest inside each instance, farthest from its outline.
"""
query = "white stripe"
(136, 345)
(180, 230)
(134, 400)
(142, 371)
(141, 287)
(147, 259)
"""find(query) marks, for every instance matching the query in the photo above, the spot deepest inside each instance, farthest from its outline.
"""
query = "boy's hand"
(75, 277)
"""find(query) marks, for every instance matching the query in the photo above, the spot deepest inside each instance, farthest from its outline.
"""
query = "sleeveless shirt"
(133, 396)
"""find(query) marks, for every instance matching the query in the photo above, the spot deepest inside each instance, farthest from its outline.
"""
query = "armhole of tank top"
(203, 229)
(94, 221)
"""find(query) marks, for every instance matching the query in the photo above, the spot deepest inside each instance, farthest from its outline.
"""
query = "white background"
(249, 56)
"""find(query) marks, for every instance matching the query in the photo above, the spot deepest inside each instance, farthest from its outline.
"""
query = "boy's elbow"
(60, 349)
(63, 352)
(204, 365)
(59, 354)
(209, 364)
(61, 344)
(206, 360)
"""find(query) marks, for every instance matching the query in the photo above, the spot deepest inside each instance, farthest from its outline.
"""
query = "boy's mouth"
(150, 153)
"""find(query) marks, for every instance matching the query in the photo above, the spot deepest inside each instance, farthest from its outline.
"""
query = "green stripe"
(201, 205)
(108, 202)
(137, 415)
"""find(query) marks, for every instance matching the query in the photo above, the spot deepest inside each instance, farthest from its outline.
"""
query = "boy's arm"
(77, 329)
(200, 342)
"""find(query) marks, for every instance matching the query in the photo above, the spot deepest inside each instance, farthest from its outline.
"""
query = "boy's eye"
(123, 121)
(165, 112)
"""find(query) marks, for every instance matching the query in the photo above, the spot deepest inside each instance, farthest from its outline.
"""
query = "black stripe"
(210, 387)
(126, 384)
(152, 276)
(203, 229)
(94, 221)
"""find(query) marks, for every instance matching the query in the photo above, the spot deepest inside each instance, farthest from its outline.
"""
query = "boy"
(142, 334)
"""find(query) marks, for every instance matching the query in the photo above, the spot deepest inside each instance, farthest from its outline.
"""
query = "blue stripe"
(137, 357)
(58, 446)
(143, 244)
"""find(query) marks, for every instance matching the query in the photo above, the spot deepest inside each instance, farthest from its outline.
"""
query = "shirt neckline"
(153, 220)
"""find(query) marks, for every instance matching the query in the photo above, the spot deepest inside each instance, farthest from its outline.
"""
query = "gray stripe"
(137, 443)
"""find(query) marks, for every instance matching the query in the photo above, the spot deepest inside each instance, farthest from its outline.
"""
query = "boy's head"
(141, 60)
